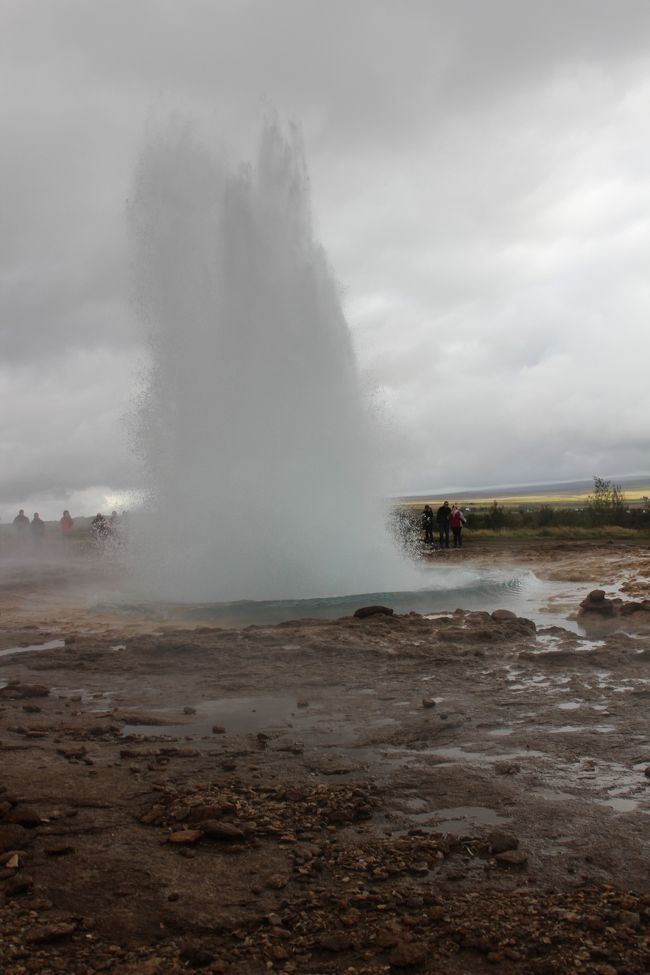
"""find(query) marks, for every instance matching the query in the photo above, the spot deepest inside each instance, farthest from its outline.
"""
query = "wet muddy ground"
(453, 792)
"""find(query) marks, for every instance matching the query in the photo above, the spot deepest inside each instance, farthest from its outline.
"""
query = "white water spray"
(256, 442)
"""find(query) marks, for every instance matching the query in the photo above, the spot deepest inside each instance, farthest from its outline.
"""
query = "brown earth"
(462, 793)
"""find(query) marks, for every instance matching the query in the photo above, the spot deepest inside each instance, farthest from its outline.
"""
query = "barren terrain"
(458, 792)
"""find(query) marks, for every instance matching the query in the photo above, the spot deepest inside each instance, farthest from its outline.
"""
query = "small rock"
(13, 837)
(20, 884)
(218, 729)
(407, 955)
(196, 955)
(216, 830)
(58, 849)
(25, 816)
(365, 611)
(189, 710)
(428, 702)
(185, 836)
(277, 881)
(44, 933)
(501, 841)
(14, 689)
(503, 614)
(512, 858)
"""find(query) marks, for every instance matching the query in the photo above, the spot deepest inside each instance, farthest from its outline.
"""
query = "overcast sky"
(481, 183)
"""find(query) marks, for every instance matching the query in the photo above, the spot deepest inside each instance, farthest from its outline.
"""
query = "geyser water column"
(255, 440)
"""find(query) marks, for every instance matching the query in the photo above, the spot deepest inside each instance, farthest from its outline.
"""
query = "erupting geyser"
(254, 434)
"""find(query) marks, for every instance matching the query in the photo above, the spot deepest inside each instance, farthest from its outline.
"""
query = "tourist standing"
(427, 524)
(21, 528)
(100, 530)
(37, 529)
(67, 524)
(456, 522)
(442, 517)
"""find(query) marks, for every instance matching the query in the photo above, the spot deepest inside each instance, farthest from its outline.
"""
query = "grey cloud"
(480, 183)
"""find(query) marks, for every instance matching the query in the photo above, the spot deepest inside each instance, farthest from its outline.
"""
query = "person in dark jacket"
(21, 528)
(37, 529)
(442, 517)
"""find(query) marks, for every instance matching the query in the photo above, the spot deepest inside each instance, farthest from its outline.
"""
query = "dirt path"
(462, 793)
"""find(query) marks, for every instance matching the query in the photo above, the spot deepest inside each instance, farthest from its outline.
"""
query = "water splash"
(256, 442)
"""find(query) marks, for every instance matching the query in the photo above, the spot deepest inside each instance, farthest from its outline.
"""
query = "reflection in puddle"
(238, 715)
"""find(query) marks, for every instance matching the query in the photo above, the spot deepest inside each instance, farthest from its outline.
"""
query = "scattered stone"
(512, 858)
(217, 830)
(366, 611)
(428, 702)
(218, 729)
(58, 849)
(44, 933)
(501, 841)
(196, 955)
(503, 614)
(407, 955)
(25, 816)
(14, 689)
(74, 753)
(22, 883)
(189, 710)
(13, 837)
(597, 602)
(185, 836)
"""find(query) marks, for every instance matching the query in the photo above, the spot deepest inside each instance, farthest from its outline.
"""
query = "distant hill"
(635, 488)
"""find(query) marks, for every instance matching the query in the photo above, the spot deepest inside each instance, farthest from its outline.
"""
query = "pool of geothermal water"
(547, 603)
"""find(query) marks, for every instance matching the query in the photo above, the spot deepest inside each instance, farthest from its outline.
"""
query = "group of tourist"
(102, 529)
(447, 517)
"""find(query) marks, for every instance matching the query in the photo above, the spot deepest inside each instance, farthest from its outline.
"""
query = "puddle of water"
(591, 644)
(50, 645)
(456, 754)
(238, 715)
(570, 705)
(459, 819)
(621, 805)
(554, 795)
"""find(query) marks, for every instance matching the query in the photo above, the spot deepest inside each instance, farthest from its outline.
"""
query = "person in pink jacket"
(456, 522)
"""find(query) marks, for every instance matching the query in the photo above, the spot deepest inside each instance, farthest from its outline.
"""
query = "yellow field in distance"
(555, 498)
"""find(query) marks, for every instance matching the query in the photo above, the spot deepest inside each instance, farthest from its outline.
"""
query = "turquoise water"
(524, 594)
